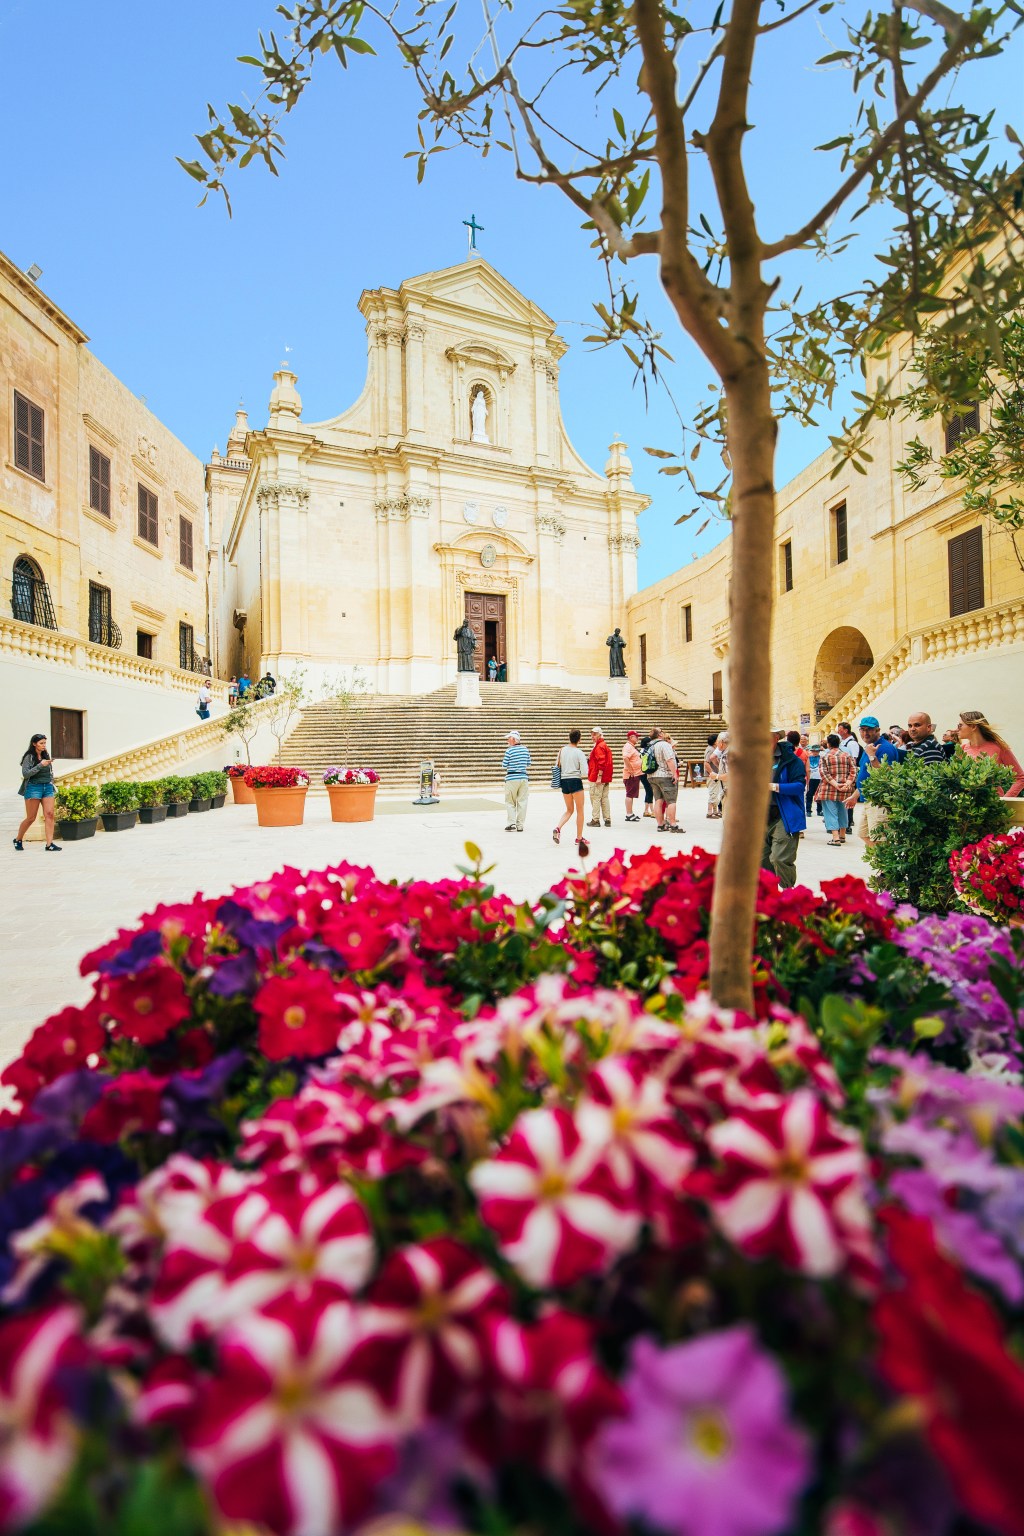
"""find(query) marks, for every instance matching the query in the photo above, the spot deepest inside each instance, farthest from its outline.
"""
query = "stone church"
(449, 489)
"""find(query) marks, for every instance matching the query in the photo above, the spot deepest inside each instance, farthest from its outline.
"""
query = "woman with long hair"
(979, 739)
(36, 787)
(572, 766)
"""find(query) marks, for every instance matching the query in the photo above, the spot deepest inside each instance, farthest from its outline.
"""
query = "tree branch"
(966, 33)
(723, 142)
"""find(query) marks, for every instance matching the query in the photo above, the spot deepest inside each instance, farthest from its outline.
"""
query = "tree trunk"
(751, 435)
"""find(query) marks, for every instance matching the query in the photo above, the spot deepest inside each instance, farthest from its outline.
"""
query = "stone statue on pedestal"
(466, 642)
(478, 412)
(616, 663)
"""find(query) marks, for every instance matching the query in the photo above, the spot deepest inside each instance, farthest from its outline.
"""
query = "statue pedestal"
(618, 694)
(467, 690)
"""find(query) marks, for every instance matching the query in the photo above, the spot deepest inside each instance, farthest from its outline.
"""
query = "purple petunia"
(707, 1447)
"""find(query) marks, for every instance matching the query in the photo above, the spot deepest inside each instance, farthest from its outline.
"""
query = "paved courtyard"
(53, 910)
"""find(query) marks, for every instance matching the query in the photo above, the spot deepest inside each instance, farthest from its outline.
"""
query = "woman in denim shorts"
(36, 786)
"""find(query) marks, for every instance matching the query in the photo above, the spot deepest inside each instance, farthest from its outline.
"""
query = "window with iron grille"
(99, 614)
(29, 432)
(840, 535)
(964, 424)
(786, 566)
(148, 525)
(99, 482)
(185, 542)
(186, 647)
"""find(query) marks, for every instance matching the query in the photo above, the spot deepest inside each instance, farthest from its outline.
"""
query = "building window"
(643, 659)
(67, 733)
(687, 622)
(148, 527)
(186, 648)
(143, 644)
(786, 566)
(840, 539)
(964, 424)
(966, 573)
(29, 427)
(716, 693)
(99, 482)
(30, 596)
(102, 629)
(185, 542)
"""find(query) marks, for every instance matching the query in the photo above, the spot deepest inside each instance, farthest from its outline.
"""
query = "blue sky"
(193, 310)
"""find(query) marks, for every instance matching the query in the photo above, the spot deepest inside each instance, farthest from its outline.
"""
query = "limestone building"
(449, 489)
(886, 598)
(102, 541)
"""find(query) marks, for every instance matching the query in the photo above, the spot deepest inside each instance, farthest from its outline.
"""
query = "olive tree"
(665, 179)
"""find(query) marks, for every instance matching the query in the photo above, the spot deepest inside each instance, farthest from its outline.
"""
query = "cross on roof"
(472, 225)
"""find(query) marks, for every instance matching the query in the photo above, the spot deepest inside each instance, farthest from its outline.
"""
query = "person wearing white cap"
(516, 764)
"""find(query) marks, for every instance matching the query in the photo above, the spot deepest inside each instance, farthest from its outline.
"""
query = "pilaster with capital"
(395, 338)
(415, 387)
(541, 407)
(283, 506)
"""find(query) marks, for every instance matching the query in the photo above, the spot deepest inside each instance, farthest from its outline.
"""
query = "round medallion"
(499, 516)
(471, 511)
(488, 555)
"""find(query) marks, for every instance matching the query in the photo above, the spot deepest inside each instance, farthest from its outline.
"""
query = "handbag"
(556, 773)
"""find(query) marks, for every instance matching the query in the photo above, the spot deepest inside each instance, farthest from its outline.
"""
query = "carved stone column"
(284, 588)
(550, 533)
(541, 408)
(396, 391)
(416, 420)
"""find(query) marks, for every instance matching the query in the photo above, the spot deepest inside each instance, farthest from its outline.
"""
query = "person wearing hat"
(786, 819)
(631, 771)
(866, 819)
(600, 770)
(516, 764)
(978, 739)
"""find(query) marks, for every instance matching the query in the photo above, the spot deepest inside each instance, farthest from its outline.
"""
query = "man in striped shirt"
(923, 744)
(516, 764)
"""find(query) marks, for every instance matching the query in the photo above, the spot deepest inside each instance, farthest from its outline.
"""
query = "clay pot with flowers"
(241, 794)
(352, 793)
(280, 795)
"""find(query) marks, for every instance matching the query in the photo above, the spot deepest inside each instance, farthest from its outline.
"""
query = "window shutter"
(29, 429)
(37, 421)
(185, 542)
(99, 482)
(966, 572)
(22, 451)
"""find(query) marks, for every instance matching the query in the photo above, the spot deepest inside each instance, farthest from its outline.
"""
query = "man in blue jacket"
(786, 818)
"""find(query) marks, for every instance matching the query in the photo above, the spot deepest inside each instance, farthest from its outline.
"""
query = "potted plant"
(280, 795)
(352, 793)
(218, 782)
(989, 876)
(177, 794)
(76, 811)
(118, 805)
(201, 796)
(241, 794)
(150, 796)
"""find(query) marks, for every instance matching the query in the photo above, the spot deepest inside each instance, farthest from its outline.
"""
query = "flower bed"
(267, 777)
(342, 1199)
(989, 876)
(351, 776)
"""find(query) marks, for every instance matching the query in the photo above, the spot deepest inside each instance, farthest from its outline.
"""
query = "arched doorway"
(843, 658)
(30, 596)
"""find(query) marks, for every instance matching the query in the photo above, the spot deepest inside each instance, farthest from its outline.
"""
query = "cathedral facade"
(449, 490)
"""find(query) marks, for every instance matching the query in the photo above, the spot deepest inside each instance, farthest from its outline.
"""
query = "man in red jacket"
(600, 771)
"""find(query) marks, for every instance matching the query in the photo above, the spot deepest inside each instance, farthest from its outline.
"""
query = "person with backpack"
(568, 775)
(203, 704)
(665, 782)
(786, 818)
(647, 767)
(36, 787)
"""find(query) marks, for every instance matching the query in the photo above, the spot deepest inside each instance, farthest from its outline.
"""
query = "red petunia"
(298, 1013)
(62, 1044)
(129, 1104)
(145, 1008)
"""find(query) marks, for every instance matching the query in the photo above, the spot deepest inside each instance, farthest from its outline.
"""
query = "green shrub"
(149, 792)
(934, 809)
(77, 802)
(219, 781)
(118, 796)
(204, 786)
(176, 789)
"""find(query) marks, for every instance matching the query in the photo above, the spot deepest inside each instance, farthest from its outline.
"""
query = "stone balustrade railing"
(159, 757)
(18, 640)
(982, 630)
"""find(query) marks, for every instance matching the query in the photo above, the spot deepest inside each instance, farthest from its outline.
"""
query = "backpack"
(648, 761)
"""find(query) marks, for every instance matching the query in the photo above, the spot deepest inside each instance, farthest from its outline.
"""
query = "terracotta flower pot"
(352, 802)
(281, 807)
(240, 792)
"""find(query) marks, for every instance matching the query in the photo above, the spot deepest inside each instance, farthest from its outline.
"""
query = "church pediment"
(475, 285)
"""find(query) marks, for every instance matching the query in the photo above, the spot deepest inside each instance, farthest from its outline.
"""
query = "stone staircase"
(394, 734)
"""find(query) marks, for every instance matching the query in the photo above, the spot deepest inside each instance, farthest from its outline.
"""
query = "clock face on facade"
(471, 511)
(488, 555)
(499, 516)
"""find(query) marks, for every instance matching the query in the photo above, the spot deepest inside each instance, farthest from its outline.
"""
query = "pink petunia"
(626, 1112)
(287, 1434)
(791, 1185)
(552, 1201)
(37, 1438)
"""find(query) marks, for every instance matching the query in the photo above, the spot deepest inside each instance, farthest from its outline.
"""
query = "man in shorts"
(665, 782)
